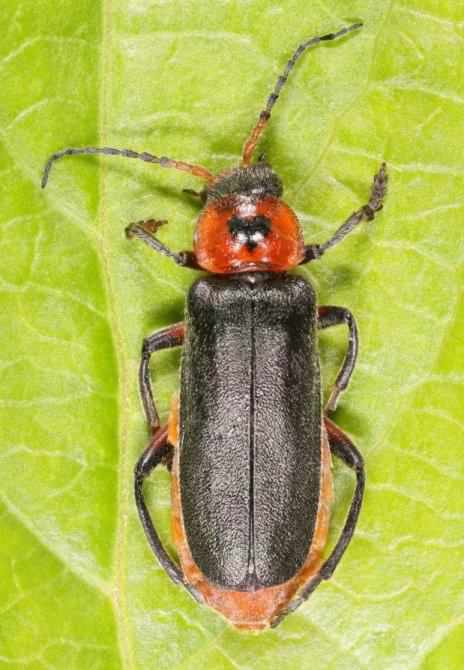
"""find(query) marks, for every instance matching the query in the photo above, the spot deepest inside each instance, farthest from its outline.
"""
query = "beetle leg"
(333, 316)
(172, 336)
(157, 451)
(341, 446)
(145, 231)
(364, 213)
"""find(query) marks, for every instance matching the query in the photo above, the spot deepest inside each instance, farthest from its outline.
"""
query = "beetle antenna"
(164, 161)
(265, 115)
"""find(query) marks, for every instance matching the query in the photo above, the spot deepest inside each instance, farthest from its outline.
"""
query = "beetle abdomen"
(250, 430)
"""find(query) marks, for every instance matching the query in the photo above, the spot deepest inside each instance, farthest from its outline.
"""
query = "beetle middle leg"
(172, 336)
(328, 316)
(342, 447)
(365, 213)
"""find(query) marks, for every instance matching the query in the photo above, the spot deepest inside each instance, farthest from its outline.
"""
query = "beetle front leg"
(364, 213)
(172, 336)
(145, 230)
(157, 451)
(342, 447)
(328, 316)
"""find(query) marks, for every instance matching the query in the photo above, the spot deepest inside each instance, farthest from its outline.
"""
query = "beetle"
(248, 443)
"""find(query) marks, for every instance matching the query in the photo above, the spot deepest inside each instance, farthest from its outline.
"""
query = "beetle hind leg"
(158, 451)
(341, 446)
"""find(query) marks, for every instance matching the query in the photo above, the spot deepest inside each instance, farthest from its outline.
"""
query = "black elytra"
(250, 426)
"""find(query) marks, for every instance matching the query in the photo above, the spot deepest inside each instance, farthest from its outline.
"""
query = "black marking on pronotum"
(249, 231)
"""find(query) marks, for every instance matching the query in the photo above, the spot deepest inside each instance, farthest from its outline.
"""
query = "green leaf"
(79, 586)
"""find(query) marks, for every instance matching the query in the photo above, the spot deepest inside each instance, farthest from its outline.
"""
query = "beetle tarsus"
(150, 226)
(379, 189)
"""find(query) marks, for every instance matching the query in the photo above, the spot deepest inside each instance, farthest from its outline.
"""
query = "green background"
(79, 587)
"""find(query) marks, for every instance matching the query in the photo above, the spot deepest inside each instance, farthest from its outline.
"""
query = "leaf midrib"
(119, 590)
